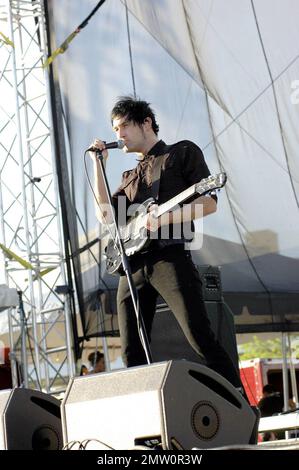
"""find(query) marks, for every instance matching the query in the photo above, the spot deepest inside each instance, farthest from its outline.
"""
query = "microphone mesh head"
(120, 143)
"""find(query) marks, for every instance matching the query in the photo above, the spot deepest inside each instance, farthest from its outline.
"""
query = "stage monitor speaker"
(168, 341)
(30, 420)
(174, 404)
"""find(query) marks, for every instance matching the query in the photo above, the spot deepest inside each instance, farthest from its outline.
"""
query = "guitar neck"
(167, 206)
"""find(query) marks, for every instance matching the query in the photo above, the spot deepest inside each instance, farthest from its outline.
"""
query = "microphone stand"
(126, 267)
(23, 323)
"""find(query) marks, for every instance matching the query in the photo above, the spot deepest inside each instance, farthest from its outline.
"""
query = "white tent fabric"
(224, 75)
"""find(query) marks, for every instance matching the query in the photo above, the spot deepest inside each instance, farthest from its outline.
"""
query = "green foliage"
(270, 349)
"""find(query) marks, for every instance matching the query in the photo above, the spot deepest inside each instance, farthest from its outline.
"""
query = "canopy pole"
(285, 380)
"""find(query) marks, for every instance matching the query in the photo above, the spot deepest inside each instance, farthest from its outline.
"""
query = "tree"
(270, 348)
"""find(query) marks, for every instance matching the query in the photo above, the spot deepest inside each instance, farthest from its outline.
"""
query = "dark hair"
(83, 369)
(268, 388)
(95, 357)
(135, 110)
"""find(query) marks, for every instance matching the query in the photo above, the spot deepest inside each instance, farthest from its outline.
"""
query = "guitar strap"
(156, 174)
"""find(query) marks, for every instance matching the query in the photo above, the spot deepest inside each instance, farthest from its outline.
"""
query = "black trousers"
(171, 273)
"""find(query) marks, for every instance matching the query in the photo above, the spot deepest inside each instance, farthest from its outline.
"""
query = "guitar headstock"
(211, 183)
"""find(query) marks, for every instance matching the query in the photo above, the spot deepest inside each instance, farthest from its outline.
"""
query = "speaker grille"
(46, 438)
(30, 420)
(205, 420)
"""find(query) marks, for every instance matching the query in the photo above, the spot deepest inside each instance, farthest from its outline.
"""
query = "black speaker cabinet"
(30, 420)
(168, 404)
(168, 341)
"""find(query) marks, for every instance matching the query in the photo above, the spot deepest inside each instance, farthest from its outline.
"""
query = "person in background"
(270, 404)
(83, 370)
(97, 362)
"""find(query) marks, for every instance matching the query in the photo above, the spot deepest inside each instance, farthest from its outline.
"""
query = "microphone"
(119, 144)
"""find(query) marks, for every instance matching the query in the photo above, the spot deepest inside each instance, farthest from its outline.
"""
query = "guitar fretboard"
(167, 206)
(203, 187)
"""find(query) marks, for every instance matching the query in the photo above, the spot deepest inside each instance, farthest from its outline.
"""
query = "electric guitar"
(135, 235)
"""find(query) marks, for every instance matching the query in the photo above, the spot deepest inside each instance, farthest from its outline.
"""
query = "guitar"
(135, 235)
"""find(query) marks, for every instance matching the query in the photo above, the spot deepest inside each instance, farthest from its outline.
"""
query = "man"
(165, 267)
(270, 404)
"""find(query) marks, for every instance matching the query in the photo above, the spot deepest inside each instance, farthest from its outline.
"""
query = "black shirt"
(270, 405)
(183, 165)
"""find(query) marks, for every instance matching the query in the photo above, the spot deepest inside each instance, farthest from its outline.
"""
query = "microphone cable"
(114, 238)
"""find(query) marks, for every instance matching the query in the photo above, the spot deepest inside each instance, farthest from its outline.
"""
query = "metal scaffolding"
(30, 233)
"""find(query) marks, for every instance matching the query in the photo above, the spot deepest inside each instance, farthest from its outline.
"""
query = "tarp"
(225, 75)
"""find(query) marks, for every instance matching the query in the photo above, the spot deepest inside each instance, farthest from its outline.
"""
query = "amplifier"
(211, 283)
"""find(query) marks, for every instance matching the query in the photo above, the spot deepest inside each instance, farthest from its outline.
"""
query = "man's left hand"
(152, 221)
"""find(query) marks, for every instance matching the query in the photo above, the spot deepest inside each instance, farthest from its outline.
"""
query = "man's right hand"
(101, 146)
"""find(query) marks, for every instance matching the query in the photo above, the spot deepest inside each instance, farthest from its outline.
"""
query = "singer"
(166, 267)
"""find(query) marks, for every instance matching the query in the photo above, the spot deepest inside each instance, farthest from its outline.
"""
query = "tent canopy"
(225, 75)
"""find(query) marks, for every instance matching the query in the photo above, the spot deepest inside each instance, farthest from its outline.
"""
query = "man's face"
(132, 134)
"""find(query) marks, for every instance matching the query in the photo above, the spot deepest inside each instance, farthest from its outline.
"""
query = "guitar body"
(135, 235)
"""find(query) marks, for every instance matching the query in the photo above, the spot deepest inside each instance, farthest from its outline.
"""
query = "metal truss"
(30, 232)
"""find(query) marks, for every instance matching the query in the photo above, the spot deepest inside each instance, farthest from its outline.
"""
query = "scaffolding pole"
(31, 235)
